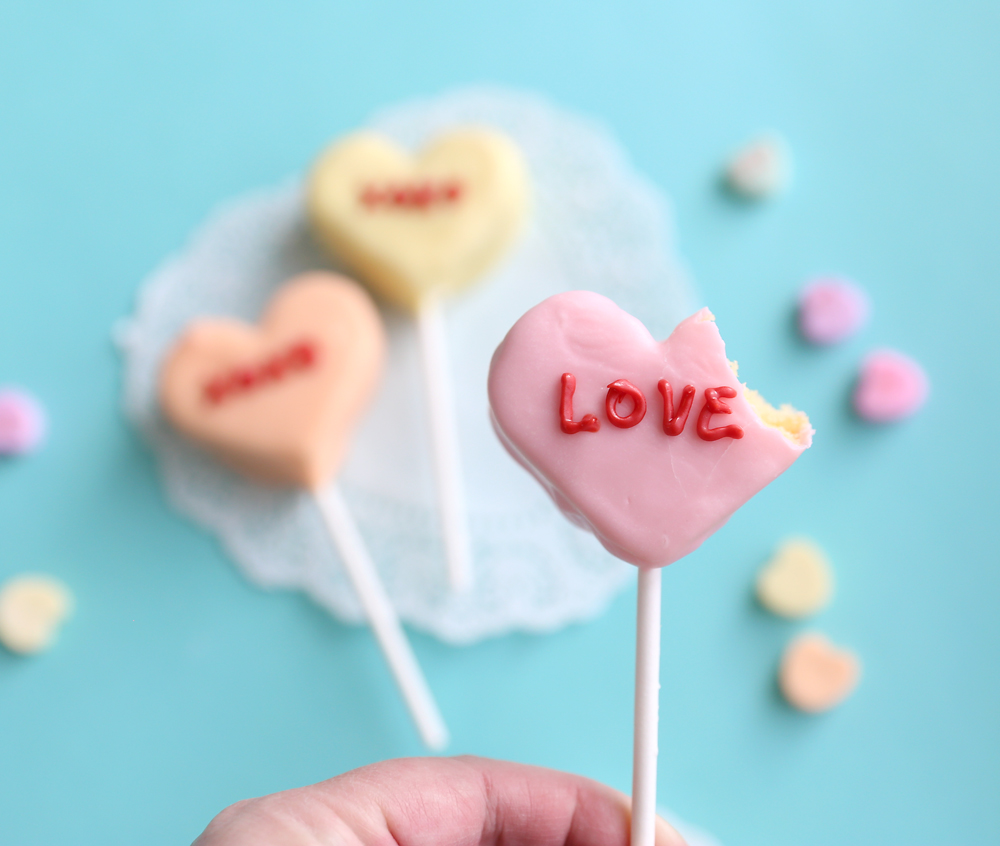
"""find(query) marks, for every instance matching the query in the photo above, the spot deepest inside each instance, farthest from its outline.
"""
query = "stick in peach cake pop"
(277, 403)
(418, 229)
(651, 446)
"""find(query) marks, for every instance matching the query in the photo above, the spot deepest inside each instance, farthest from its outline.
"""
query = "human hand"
(435, 801)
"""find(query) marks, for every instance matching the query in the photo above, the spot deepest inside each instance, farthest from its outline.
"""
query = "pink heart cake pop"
(650, 445)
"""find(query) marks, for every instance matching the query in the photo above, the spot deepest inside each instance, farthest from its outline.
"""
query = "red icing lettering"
(673, 423)
(299, 356)
(589, 423)
(411, 195)
(617, 392)
(714, 405)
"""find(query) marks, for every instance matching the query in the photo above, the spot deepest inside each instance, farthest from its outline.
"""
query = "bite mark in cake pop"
(650, 496)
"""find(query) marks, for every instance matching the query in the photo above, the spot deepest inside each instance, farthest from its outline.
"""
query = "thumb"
(429, 801)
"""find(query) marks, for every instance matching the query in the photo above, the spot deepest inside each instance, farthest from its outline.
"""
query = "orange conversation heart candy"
(278, 401)
(815, 675)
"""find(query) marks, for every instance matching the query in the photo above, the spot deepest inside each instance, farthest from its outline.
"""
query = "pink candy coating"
(22, 422)
(650, 498)
(831, 309)
(891, 386)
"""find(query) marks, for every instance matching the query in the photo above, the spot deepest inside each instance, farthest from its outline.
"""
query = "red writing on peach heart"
(299, 356)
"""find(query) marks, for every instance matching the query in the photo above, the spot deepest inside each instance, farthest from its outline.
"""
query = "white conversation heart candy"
(31, 609)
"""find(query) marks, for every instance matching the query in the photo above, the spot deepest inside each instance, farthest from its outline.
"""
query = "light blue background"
(178, 688)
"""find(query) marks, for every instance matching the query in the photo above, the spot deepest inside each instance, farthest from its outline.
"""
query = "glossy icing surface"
(278, 402)
(649, 496)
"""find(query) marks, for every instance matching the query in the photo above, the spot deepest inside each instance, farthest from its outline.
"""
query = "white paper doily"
(596, 224)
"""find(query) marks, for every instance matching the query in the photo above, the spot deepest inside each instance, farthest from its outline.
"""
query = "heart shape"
(650, 497)
(22, 422)
(891, 386)
(278, 402)
(760, 169)
(32, 607)
(424, 226)
(797, 581)
(831, 309)
(815, 675)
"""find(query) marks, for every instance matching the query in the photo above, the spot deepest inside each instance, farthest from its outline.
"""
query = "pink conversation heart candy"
(891, 386)
(831, 309)
(650, 445)
(22, 422)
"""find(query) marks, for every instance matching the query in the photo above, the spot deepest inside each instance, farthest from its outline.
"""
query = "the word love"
(299, 356)
(413, 195)
(623, 395)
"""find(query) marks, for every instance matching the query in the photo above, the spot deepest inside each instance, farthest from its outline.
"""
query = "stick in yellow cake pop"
(418, 229)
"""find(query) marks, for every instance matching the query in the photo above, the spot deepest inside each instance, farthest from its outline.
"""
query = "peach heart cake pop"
(277, 402)
(650, 445)
(419, 226)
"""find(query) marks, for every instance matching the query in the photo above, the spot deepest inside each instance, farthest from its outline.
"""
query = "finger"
(434, 801)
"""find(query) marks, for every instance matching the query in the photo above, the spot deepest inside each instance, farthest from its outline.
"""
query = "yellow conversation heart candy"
(32, 607)
(797, 581)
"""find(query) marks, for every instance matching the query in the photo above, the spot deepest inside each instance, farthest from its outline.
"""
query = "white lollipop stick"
(444, 442)
(382, 617)
(647, 708)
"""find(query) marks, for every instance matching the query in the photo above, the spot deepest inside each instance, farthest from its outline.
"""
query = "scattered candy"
(761, 169)
(797, 581)
(22, 422)
(32, 607)
(815, 675)
(891, 386)
(832, 309)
